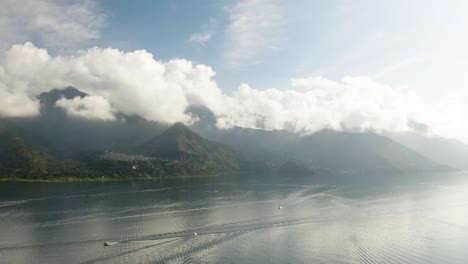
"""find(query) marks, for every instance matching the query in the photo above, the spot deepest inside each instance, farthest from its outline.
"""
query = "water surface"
(402, 219)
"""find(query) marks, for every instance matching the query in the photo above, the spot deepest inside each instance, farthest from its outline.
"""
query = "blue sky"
(299, 65)
(398, 42)
(383, 39)
(164, 28)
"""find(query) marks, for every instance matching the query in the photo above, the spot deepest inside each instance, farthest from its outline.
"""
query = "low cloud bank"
(88, 107)
(135, 83)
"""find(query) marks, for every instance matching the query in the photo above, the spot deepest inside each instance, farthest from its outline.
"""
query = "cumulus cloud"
(135, 83)
(311, 104)
(16, 104)
(252, 30)
(88, 107)
(59, 24)
(200, 38)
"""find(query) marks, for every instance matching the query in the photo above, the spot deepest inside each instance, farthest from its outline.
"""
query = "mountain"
(332, 150)
(57, 145)
(49, 99)
(451, 152)
(180, 143)
(361, 152)
(338, 151)
(18, 159)
(295, 168)
(63, 135)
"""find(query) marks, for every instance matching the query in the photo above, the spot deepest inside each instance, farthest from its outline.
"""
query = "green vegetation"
(20, 160)
(57, 147)
(182, 144)
(179, 152)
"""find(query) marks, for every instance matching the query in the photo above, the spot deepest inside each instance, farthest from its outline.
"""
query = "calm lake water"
(402, 219)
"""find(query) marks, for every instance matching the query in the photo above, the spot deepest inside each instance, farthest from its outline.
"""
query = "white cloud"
(88, 107)
(200, 38)
(57, 24)
(134, 83)
(315, 103)
(252, 30)
(16, 103)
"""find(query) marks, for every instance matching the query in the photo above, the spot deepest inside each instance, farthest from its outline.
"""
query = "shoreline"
(102, 179)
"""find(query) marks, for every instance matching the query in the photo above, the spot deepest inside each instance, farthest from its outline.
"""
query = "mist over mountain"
(59, 132)
(136, 83)
(347, 116)
(233, 131)
(444, 151)
(335, 150)
(61, 135)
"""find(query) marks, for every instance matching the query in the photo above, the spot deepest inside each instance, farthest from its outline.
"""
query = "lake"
(238, 219)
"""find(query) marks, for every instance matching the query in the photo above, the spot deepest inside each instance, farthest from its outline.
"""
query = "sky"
(389, 65)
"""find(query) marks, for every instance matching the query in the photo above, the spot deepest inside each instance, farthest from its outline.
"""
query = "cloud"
(252, 30)
(312, 104)
(200, 38)
(135, 83)
(56, 24)
(88, 107)
(16, 103)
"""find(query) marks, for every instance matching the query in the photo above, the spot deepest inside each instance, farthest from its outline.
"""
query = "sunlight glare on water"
(235, 221)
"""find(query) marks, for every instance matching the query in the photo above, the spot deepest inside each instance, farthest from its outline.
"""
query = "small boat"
(109, 243)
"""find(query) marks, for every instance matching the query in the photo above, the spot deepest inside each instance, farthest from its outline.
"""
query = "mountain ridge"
(202, 145)
(181, 143)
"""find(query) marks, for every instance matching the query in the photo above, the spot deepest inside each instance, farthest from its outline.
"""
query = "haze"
(387, 66)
